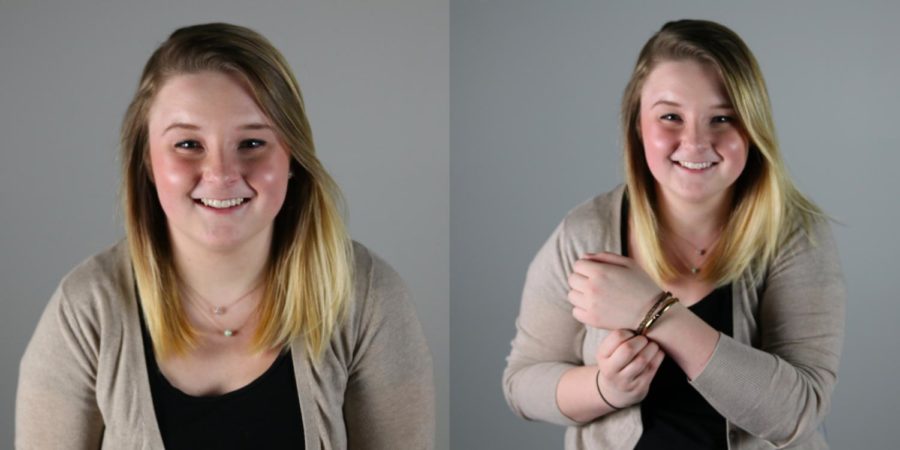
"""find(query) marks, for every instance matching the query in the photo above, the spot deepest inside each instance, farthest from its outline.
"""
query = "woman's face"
(693, 143)
(219, 169)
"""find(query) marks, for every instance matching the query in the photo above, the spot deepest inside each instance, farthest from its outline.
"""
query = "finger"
(580, 314)
(625, 352)
(652, 368)
(578, 281)
(640, 362)
(609, 258)
(576, 298)
(586, 267)
(612, 341)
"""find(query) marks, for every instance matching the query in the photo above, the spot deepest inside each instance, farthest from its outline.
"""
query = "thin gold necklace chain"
(224, 331)
(700, 250)
(220, 310)
(694, 268)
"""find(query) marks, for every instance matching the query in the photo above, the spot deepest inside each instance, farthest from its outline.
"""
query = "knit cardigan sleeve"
(548, 338)
(781, 391)
(56, 402)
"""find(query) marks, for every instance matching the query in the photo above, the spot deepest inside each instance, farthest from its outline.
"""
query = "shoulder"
(97, 284)
(86, 309)
(382, 319)
(810, 241)
(599, 213)
(807, 256)
(592, 226)
(377, 285)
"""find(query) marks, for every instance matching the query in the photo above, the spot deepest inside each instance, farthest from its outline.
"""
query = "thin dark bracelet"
(597, 380)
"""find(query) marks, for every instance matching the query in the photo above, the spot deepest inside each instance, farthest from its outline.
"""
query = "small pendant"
(219, 310)
(695, 270)
(228, 333)
(702, 252)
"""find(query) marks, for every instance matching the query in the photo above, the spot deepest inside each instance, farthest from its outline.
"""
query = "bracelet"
(665, 307)
(597, 380)
(642, 326)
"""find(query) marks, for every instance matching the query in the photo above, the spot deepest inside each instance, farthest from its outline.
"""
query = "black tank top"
(674, 415)
(263, 414)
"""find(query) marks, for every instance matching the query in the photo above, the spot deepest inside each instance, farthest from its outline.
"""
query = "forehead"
(687, 82)
(206, 99)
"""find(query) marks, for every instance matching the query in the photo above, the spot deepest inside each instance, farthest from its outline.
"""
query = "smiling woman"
(238, 313)
(701, 304)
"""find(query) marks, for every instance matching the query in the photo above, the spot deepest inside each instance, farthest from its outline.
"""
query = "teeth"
(221, 203)
(695, 165)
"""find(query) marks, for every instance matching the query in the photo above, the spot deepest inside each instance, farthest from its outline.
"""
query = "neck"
(698, 222)
(222, 275)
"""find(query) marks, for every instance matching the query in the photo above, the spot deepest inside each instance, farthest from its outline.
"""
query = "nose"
(696, 136)
(220, 167)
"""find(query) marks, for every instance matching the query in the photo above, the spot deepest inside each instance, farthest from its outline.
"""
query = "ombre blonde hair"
(308, 277)
(766, 206)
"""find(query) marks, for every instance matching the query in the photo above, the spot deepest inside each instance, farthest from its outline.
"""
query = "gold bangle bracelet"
(665, 307)
(659, 299)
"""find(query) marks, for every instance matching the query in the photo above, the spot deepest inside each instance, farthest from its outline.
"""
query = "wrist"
(659, 306)
(610, 397)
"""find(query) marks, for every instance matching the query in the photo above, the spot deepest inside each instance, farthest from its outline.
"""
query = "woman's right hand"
(627, 365)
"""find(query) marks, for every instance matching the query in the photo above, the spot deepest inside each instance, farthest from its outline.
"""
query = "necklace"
(224, 331)
(220, 310)
(694, 268)
(212, 313)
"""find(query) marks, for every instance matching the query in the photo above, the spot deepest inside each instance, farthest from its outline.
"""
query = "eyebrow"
(671, 103)
(190, 126)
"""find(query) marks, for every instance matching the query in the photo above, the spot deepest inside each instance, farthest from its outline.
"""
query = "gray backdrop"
(535, 88)
(376, 83)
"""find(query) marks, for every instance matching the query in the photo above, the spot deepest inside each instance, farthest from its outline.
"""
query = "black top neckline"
(155, 370)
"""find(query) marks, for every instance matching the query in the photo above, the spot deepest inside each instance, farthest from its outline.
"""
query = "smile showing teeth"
(695, 165)
(221, 204)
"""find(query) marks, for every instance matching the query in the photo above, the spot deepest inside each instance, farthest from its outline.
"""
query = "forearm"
(758, 391)
(685, 338)
(577, 396)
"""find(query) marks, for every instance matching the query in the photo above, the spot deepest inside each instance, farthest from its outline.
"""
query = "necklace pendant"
(702, 251)
(219, 310)
(228, 333)
(695, 270)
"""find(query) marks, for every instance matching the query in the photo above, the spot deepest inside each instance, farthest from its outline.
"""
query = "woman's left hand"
(610, 291)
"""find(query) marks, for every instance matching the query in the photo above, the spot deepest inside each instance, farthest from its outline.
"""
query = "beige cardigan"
(772, 380)
(83, 381)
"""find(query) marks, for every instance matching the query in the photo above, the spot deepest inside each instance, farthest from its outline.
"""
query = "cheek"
(270, 177)
(734, 149)
(173, 178)
(659, 144)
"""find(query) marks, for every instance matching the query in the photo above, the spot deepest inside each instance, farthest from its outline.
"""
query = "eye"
(252, 143)
(189, 144)
(723, 119)
(670, 117)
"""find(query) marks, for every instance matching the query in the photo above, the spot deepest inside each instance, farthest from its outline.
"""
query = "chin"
(697, 194)
(221, 242)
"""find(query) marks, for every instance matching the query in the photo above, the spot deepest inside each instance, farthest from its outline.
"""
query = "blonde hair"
(766, 205)
(308, 278)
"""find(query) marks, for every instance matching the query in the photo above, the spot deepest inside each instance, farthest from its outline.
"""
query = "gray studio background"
(535, 89)
(375, 79)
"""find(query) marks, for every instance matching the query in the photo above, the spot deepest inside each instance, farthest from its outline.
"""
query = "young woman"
(700, 305)
(237, 313)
